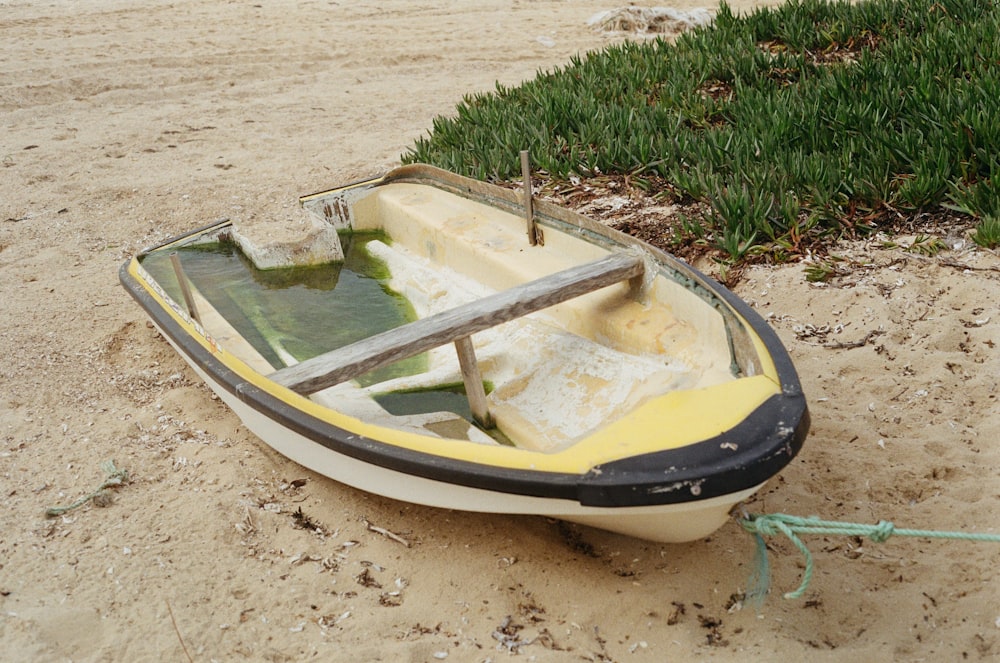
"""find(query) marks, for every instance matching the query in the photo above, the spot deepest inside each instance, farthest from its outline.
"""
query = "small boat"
(533, 361)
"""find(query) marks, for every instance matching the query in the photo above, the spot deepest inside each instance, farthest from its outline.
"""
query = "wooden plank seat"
(455, 326)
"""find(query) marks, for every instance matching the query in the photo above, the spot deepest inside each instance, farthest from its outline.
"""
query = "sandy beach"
(126, 122)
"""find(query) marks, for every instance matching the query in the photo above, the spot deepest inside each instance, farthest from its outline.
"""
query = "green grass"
(788, 125)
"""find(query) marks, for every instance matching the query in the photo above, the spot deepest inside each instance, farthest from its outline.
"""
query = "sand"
(124, 122)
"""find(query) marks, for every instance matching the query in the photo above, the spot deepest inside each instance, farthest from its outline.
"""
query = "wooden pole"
(473, 382)
(529, 207)
(182, 281)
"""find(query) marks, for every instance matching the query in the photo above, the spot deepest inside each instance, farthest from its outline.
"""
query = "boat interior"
(612, 328)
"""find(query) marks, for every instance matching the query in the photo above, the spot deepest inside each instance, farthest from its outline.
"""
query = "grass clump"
(987, 233)
(787, 124)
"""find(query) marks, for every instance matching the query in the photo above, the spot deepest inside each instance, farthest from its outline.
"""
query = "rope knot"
(882, 531)
(764, 524)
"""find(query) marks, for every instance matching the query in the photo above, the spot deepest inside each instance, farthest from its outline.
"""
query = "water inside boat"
(292, 314)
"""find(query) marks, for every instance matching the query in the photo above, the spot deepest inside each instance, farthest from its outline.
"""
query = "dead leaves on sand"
(329, 551)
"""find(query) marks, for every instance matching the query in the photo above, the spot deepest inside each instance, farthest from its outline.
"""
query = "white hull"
(668, 523)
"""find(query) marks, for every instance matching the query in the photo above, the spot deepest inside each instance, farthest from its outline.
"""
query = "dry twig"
(386, 533)
(850, 345)
(950, 262)
(178, 632)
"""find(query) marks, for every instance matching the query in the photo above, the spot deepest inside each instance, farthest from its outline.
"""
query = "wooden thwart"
(336, 366)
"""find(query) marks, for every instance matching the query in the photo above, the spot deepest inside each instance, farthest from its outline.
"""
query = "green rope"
(115, 477)
(792, 526)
